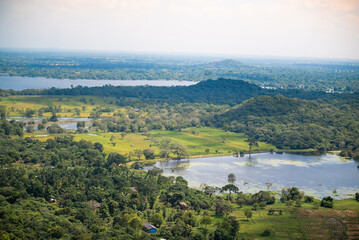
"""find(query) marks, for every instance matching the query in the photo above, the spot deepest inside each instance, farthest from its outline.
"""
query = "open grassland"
(197, 140)
(124, 145)
(205, 138)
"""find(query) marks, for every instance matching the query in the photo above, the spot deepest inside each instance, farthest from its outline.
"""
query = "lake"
(315, 175)
(21, 83)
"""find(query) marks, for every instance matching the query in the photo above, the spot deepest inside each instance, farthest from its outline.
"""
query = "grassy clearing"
(124, 145)
(208, 138)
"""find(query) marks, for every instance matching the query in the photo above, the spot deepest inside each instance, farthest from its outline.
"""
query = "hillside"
(293, 123)
(221, 91)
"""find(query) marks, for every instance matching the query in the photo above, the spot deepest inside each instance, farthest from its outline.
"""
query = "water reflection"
(316, 175)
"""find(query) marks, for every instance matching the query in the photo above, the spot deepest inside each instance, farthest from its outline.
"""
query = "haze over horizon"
(283, 28)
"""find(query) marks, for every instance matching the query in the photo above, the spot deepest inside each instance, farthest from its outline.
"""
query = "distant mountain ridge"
(227, 63)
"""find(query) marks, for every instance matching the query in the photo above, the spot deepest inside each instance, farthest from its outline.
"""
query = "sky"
(292, 28)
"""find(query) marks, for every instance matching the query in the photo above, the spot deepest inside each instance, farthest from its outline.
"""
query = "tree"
(223, 207)
(248, 213)
(327, 202)
(138, 153)
(115, 158)
(157, 219)
(179, 150)
(251, 142)
(136, 223)
(104, 212)
(206, 220)
(231, 188)
(123, 134)
(54, 128)
(29, 112)
(357, 196)
(291, 194)
(98, 146)
(269, 184)
(80, 124)
(53, 118)
(210, 190)
(40, 126)
(155, 171)
(149, 153)
(231, 178)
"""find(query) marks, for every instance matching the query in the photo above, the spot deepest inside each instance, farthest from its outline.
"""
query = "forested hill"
(267, 106)
(221, 91)
(294, 123)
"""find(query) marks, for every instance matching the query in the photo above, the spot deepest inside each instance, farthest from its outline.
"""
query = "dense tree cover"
(62, 188)
(296, 124)
(145, 117)
(323, 121)
(289, 73)
(219, 92)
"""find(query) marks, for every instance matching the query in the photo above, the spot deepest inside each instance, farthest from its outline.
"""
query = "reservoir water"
(21, 83)
(63, 122)
(318, 176)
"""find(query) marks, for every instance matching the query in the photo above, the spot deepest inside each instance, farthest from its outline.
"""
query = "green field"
(305, 222)
(208, 138)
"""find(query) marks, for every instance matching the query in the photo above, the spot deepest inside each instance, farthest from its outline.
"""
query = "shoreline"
(289, 151)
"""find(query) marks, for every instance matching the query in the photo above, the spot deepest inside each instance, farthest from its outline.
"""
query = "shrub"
(267, 233)
(54, 128)
(308, 199)
(271, 211)
(327, 202)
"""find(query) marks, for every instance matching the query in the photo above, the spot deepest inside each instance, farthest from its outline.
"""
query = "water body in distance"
(65, 123)
(315, 175)
(21, 83)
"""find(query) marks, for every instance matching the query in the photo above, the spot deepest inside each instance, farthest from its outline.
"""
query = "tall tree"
(179, 150)
(252, 142)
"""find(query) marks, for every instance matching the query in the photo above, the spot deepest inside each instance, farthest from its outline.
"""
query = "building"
(149, 228)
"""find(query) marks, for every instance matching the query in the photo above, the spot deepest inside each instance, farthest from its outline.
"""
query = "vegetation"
(295, 124)
(288, 73)
(88, 182)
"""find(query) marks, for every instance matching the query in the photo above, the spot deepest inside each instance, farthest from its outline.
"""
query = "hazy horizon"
(326, 29)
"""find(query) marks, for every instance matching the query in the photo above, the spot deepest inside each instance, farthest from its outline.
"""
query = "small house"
(149, 228)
